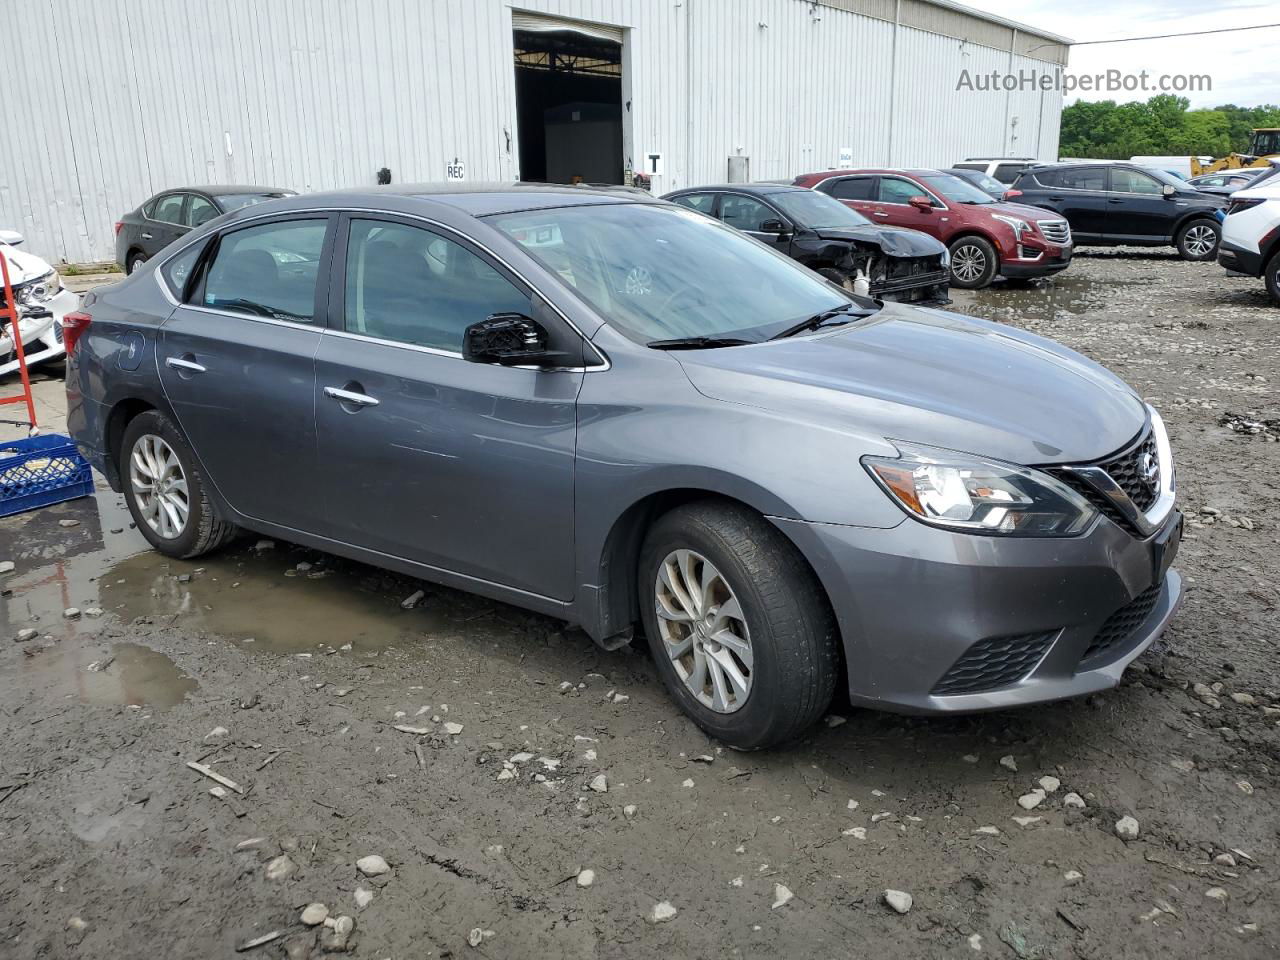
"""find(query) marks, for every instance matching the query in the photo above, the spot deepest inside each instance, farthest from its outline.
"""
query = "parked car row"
(635, 417)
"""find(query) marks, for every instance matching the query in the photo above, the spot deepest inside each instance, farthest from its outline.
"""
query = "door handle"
(146, 236)
(350, 396)
(188, 366)
(1056, 199)
(881, 213)
(1115, 200)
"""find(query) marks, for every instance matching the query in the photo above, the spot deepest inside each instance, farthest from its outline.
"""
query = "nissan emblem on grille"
(1150, 471)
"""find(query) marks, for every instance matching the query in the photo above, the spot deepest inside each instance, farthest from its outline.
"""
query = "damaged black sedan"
(888, 263)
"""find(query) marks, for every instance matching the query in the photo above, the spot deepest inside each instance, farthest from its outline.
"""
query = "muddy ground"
(290, 681)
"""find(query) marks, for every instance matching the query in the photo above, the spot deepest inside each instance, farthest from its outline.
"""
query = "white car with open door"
(42, 300)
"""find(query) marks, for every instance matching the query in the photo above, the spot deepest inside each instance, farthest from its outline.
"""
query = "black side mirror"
(511, 340)
(773, 226)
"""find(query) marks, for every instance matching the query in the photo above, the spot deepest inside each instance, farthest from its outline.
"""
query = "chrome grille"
(995, 662)
(1137, 472)
(1055, 231)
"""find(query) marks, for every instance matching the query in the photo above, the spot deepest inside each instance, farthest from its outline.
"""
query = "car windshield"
(234, 201)
(989, 184)
(660, 273)
(817, 210)
(953, 188)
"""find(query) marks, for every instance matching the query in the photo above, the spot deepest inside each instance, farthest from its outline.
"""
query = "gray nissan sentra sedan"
(616, 411)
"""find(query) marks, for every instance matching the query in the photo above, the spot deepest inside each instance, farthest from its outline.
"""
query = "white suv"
(1251, 234)
(1004, 169)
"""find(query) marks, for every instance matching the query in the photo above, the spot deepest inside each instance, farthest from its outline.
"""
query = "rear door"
(1080, 195)
(166, 223)
(237, 360)
(858, 191)
(1137, 209)
(467, 467)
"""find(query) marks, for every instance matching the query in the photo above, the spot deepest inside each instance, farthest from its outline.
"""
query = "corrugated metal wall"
(316, 94)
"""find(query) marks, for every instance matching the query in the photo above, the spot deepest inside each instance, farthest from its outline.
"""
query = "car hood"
(895, 241)
(1020, 210)
(23, 266)
(936, 378)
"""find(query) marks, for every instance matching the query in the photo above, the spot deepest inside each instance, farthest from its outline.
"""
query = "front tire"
(165, 489)
(1198, 240)
(1272, 276)
(742, 634)
(974, 263)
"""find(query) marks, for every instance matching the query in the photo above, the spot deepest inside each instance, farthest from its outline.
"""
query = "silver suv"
(622, 413)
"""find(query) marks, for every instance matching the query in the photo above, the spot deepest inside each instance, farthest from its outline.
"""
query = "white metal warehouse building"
(315, 94)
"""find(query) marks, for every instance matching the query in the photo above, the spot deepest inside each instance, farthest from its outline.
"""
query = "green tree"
(1164, 125)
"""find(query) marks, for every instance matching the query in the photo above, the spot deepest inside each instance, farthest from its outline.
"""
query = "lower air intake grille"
(995, 662)
(1120, 626)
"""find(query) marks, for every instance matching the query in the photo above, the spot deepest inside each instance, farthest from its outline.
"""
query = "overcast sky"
(1244, 66)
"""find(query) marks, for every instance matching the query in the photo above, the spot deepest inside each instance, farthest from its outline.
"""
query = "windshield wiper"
(697, 343)
(821, 319)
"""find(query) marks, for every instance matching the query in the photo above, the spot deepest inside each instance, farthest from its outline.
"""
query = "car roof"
(763, 188)
(995, 159)
(223, 189)
(475, 199)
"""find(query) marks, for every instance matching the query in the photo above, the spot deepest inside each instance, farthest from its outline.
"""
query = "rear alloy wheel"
(133, 263)
(1198, 240)
(165, 490)
(739, 628)
(973, 263)
(1272, 275)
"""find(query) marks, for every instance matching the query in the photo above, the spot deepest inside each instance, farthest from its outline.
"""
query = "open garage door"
(568, 100)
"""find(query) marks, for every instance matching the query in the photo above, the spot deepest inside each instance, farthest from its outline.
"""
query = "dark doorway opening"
(568, 107)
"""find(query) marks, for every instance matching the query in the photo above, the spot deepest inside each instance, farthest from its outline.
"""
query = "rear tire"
(1198, 240)
(786, 628)
(1272, 276)
(974, 263)
(165, 489)
(132, 264)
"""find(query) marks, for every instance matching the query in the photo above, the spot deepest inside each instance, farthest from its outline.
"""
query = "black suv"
(1108, 204)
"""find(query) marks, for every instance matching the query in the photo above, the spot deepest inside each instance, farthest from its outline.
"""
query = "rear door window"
(168, 209)
(853, 188)
(1085, 178)
(268, 271)
(1008, 172)
(411, 285)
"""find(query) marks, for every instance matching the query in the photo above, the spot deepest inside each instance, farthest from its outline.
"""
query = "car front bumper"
(1052, 261)
(41, 338)
(915, 604)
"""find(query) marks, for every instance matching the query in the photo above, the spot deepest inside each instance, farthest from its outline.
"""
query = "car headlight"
(41, 290)
(1019, 226)
(962, 492)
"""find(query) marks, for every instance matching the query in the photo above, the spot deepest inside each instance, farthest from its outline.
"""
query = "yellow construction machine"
(1263, 145)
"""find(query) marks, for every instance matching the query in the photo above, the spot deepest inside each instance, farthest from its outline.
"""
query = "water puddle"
(122, 674)
(282, 600)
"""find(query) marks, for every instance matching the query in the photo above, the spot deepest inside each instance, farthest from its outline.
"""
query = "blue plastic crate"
(38, 471)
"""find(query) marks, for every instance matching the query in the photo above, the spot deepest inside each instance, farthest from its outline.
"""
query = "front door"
(236, 365)
(1080, 195)
(756, 218)
(893, 206)
(467, 467)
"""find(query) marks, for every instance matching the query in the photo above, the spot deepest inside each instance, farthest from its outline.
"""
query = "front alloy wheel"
(973, 263)
(740, 629)
(1198, 240)
(159, 486)
(703, 631)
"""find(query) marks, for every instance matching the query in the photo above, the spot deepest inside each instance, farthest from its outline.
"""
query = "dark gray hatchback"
(617, 411)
